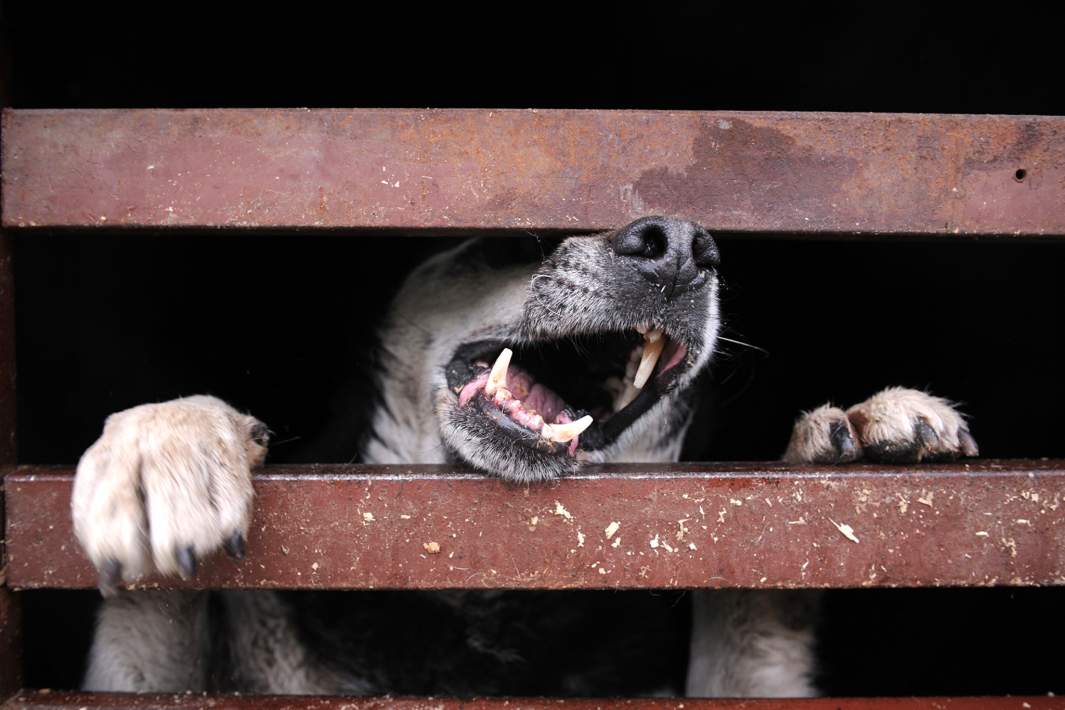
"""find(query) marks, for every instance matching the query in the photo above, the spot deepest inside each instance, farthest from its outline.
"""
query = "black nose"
(673, 254)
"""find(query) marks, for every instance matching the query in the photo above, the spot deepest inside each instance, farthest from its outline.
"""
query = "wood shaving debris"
(926, 499)
(432, 548)
(580, 539)
(982, 533)
(654, 542)
(561, 510)
(617, 542)
(368, 517)
(847, 530)
(611, 529)
(314, 566)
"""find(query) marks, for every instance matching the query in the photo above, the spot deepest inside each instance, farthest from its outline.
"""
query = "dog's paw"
(896, 426)
(824, 435)
(902, 425)
(165, 485)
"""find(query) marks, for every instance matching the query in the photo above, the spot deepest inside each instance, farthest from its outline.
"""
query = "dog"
(523, 363)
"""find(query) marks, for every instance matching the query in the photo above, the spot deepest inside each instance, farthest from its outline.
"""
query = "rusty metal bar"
(58, 701)
(685, 525)
(802, 173)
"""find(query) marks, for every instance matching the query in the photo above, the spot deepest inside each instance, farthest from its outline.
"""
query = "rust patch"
(745, 171)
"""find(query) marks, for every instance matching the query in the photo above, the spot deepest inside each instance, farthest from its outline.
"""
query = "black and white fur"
(170, 483)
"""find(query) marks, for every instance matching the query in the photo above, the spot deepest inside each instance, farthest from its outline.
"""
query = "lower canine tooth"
(498, 376)
(651, 350)
(562, 433)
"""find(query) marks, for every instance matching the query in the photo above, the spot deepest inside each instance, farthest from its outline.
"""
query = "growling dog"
(522, 367)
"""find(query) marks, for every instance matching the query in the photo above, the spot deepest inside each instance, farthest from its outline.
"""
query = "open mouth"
(562, 396)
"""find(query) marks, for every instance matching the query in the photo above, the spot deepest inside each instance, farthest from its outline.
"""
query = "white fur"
(752, 644)
(184, 465)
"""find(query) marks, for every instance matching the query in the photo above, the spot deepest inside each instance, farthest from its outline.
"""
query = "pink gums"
(523, 399)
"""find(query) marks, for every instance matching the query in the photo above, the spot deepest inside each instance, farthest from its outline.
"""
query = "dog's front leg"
(752, 643)
(165, 485)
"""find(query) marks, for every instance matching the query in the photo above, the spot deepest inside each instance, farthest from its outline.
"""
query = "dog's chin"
(478, 435)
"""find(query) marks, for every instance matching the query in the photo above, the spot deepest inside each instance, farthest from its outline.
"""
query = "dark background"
(276, 324)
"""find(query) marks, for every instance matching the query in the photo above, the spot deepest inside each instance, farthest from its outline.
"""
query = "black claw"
(234, 546)
(186, 559)
(260, 434)
(925, 434)
(846, 448)
(110, 577)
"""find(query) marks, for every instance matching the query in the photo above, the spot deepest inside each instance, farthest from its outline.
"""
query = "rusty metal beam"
(802, 173)
(60, 701)
(728, 525)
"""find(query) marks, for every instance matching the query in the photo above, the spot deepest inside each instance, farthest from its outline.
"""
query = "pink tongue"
(544, 401)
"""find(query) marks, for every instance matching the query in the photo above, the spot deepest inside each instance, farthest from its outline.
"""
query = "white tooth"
(641, 329)
(653, 335)
(498, 376)
(562, 433)
(651, 350)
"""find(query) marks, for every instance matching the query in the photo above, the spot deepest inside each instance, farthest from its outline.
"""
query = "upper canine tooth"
(498, 376)
(562, 433)
(653, 335)
(651, 350)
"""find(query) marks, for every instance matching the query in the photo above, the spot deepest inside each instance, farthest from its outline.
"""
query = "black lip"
(461, 369)
(526, 437)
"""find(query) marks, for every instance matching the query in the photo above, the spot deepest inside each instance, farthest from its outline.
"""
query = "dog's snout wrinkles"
(673, 254)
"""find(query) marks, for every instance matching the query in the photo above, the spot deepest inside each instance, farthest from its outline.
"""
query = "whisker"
(746, 345)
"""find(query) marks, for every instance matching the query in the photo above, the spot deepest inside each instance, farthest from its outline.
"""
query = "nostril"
(648, 241)
(655, 242)
(704, 250)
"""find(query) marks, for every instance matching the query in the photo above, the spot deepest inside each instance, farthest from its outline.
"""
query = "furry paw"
(896, 426)
(824, 435)
(165, 485)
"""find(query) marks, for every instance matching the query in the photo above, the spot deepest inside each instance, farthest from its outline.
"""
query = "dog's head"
(524, 358)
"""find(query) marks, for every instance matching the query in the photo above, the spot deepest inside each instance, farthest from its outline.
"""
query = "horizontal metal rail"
(802, 173)
(83, 701)
(686, 525)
